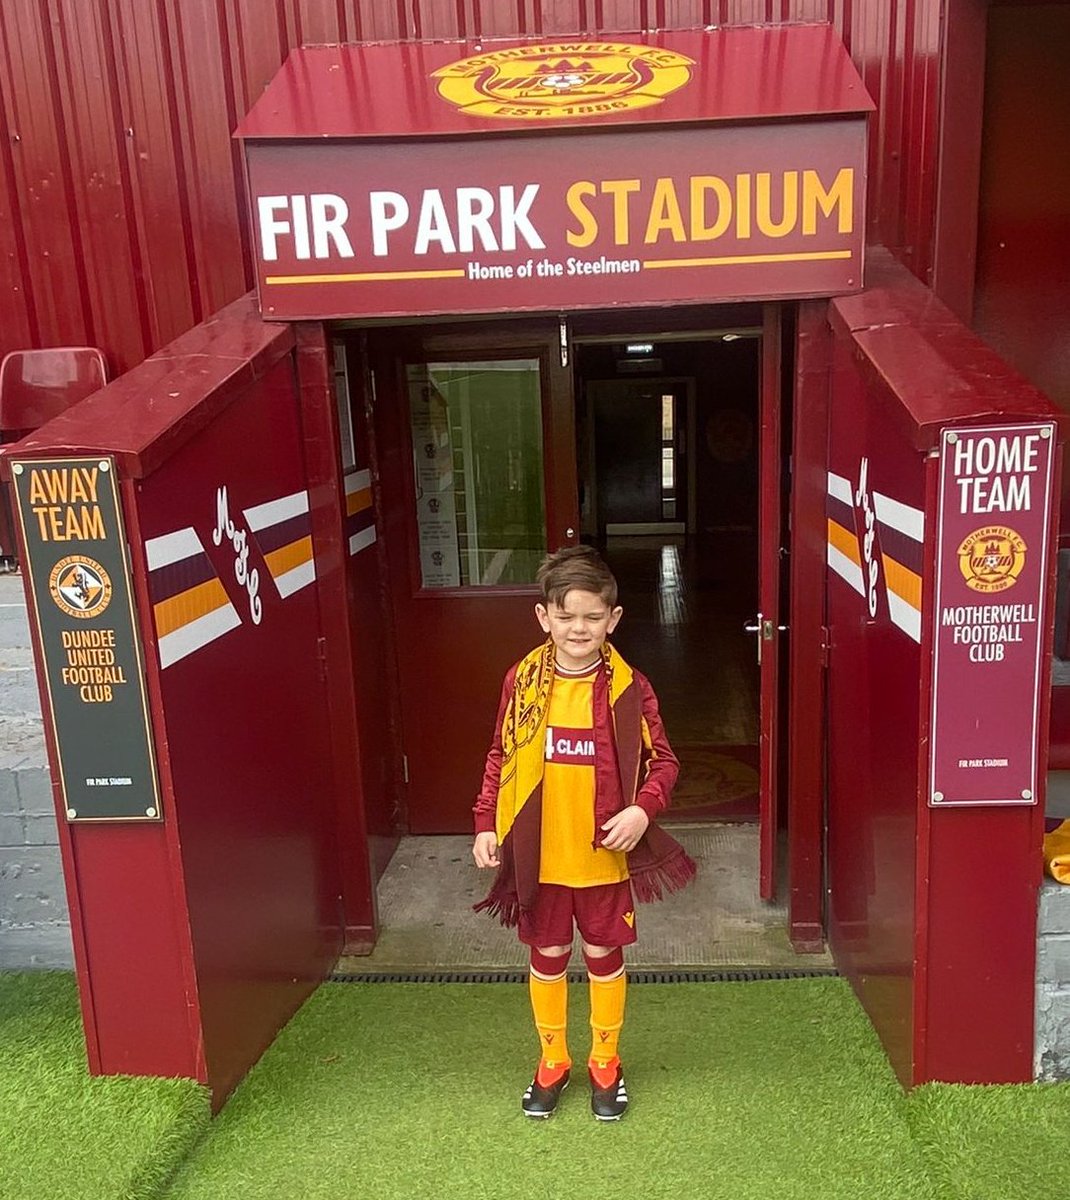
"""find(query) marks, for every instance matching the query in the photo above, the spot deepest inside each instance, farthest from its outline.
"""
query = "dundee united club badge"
(992, 558)
(80, 586)
(563, 79)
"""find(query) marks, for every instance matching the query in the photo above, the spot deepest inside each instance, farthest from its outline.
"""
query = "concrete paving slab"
(427, 892)
(14, 628)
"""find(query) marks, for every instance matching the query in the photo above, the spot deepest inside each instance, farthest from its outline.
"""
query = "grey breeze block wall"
(35, 928)
(1052, 1060)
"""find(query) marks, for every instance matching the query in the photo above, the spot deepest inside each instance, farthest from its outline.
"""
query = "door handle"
(765, 629)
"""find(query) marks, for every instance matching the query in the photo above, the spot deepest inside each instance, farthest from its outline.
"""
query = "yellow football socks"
(549, 1005)
(607, 1018)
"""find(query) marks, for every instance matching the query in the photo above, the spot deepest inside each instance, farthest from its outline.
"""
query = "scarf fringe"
(501, 901)
(648, 886)
(664, 878)
(506, 909)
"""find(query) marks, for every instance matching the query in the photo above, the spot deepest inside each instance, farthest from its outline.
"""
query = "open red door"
(768, 628)
(477, 465)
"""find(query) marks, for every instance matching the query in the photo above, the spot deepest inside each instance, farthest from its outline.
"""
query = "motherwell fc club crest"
(992, 558)
(563, 79)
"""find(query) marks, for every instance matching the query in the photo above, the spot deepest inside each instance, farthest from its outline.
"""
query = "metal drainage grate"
(698, 975)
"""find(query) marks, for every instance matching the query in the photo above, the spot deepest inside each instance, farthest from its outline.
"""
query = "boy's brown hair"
(572, 568)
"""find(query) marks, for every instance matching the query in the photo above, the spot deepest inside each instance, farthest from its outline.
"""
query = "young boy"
(578, 768)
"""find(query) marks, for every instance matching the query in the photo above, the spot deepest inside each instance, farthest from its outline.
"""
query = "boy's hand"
(624, 829)
(485, 850)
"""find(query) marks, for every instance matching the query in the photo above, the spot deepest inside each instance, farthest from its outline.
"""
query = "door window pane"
(668, 458)
(477, 457)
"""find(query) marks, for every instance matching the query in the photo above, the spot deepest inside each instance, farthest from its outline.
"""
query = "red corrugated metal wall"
(121, 211)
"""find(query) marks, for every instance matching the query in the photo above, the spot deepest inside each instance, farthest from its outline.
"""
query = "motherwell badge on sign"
(556, 79)
(989, 616)
(80, 586)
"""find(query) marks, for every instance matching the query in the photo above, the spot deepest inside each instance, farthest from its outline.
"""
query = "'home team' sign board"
(989, 614)
(80, 583)
(670, 215)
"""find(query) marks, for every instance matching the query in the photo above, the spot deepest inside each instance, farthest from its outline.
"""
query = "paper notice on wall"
(432, 454)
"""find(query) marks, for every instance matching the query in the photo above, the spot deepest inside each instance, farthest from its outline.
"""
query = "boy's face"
(578, 626)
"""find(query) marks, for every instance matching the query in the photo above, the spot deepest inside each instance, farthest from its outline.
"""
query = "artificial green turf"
(738, 1090)
(391, 1091)
(992, 1143)
(66, 1136)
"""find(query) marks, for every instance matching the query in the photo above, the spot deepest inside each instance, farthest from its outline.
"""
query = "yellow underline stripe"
(650, 265)
(365, 277)
(811, 256)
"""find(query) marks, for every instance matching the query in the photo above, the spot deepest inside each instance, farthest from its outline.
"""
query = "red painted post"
(319, 424)
(807, 647)
(770, 469)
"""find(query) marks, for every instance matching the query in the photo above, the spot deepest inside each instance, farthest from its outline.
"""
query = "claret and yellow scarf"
(658, 864)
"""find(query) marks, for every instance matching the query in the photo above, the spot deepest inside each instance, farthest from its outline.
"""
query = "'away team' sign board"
(80, 583)
(991, 581)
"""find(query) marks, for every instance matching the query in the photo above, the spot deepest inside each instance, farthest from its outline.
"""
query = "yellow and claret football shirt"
(568, 784)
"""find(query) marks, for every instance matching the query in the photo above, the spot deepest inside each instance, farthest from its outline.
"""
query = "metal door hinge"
(321, 654)
(826, 644)
(405, 767)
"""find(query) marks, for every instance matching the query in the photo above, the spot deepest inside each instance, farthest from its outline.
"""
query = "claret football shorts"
(604, 915)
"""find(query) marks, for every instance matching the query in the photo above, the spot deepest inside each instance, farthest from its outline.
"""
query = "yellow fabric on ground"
(1057, 852)
(607, 1016)
(549, 1005)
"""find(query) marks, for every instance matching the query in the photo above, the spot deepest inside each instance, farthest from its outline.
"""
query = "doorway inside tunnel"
(650, 436)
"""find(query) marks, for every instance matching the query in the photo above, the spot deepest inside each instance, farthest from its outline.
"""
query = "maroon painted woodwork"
(807, 636)
(190, 381)
(327, 507)
(374, 658)
(770, 470)
(454, 645)
(197, 938)
(942, 372)
(254, 795)
(872, 721)
(932, 912)
(744, 74)
(122, 198)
